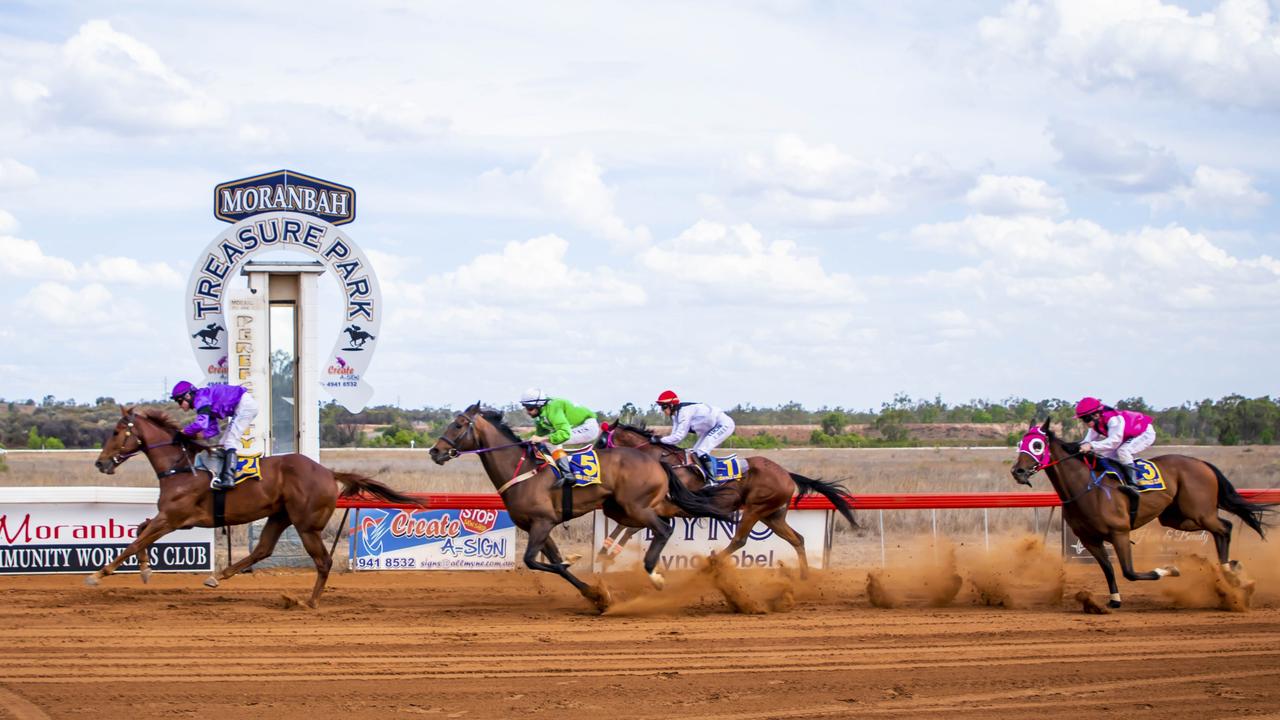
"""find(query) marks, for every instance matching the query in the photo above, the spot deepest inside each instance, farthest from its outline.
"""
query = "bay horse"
(763, 495)
(635, 490)
(1194, 492)
(294, 490)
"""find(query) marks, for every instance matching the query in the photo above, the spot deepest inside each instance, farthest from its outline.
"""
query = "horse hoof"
(146, 576)
(658, 581)
(571, 559)
(1113, 604)
(1172, 571)
(211, 581)
(91, 581)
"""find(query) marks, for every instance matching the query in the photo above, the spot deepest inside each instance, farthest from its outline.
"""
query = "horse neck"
(1068, 475)
(164, 457)
(639, 441)
(499, 465)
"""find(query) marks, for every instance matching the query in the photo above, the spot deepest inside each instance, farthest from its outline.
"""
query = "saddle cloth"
(585, 465)
(247, 467)
(1148, 477)
(728, 468)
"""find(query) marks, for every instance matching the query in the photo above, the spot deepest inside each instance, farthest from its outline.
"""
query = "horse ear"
(1045, 426)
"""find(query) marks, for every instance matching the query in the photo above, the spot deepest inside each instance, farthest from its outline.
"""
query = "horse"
(294, 490)
(763, 495)
(635, 490)
(1194, 492)
(209, 335)
(358, 336)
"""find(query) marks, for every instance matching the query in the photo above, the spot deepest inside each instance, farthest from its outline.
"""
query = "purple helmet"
(182, 388)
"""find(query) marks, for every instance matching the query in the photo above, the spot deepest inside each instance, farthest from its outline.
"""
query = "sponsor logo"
(284, 190)
(478, 521)
(13, 530)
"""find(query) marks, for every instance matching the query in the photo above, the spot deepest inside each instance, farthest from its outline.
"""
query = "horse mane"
(1072, 448)
(642, 428)
(495, 419)
(161, 418)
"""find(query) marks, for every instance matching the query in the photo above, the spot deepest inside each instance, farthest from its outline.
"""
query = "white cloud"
(823, 185)
(1229, 55)
(8, 223)
(570, 186)
(403, 121)
(24, 259)
(1014, 195)
(14, 174)
(721, 262)
(91, 306)
(1117, 164)
(127, 271)
(1215, 190)
(108, 80)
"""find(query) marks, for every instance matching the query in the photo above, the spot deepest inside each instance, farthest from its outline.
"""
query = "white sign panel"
(343, 377)
(694, 539)
(467, 539)
(80, 537)
(249, 359)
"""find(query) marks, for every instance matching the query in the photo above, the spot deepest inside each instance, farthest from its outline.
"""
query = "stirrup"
(219, 484)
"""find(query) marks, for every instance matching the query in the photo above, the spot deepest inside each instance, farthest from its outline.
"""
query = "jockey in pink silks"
(1115, 434)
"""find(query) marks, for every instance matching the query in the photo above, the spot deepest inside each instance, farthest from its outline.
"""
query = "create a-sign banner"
(469, 539)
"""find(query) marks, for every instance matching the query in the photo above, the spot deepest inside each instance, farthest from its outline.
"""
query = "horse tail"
(703, 503)
(354, 484)
(1233, 502)
(836, 493)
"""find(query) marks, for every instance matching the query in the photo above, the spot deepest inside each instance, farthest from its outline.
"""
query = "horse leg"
(271, 531)
(612, 545)
(1099, 553)
(539, 534)
(314, 543)
(551, 552)
(777, 522)
(144, 558)
(750, 516)
(661, 534)
(153, 530)
(1124, 554)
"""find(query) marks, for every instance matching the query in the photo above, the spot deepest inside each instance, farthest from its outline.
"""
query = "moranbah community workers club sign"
(286, 210)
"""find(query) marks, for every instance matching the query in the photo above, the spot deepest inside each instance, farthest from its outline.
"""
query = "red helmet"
(668, 397)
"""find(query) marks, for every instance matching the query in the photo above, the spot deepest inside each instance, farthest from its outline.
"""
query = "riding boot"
(227, 479)
(708, 466)
(566, 473)
(1129, 481)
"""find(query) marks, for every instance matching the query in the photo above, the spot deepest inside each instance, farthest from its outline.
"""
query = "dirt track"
(510, 644)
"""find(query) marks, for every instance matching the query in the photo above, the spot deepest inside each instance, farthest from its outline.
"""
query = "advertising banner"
(1151, 543)
(80, 537)
(432, 540)
(696, 538)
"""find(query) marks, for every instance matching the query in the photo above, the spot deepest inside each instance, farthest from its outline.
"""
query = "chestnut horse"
(635, 490)
(763, 494)
(294, 490)
(1194, 492)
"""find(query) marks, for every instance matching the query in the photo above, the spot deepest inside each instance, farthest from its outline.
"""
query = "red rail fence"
(860, 501)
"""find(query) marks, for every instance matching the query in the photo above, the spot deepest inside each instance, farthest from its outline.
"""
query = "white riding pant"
(582, 435)
(713, 437)
(1126, 451)
(246, 411)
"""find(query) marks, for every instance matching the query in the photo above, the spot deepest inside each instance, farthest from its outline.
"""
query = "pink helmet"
(1088, 406)
(182, 388)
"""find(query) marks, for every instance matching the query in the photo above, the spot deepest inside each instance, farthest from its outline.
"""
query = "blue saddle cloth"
(728, 468)
(585, 465)
(1147, 478)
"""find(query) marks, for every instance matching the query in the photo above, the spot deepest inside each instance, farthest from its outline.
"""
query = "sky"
(746, 202)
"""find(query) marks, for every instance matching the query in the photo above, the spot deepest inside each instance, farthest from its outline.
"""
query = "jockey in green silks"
(558, 422)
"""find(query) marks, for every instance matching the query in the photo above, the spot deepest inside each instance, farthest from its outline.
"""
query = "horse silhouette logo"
(209, 336)
(358, 338)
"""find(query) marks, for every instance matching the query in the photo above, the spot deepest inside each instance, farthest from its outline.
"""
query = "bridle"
(130, 431)
(454, 451)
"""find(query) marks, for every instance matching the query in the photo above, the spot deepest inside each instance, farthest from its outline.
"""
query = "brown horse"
(635, 490)
(1194, 492)
(763, 494)
(294, 490)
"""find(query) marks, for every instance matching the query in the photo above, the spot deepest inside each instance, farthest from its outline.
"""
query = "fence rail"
(860, 501)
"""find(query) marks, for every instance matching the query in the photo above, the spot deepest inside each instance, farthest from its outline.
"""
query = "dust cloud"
(1015, 573)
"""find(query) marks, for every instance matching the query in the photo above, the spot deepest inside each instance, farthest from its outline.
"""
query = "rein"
(119, 458)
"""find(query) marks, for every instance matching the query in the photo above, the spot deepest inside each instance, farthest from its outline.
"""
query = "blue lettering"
(291, 230)
(248, 240)
(337, 250)
(203, 308)
(275, 232)
(215, 268)
(347, 269)
(230, 252)
(208, 288)
(312, 237)
(363, 308)
(357, 288)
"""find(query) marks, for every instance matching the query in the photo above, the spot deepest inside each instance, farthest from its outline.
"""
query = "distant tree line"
(1232, 420)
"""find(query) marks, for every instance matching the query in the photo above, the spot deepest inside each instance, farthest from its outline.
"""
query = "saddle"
(724, 469)
(584, 465)
(1147, 478)
(247, 466)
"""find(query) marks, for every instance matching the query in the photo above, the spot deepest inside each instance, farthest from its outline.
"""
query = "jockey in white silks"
(1115, 434)
(711, 424)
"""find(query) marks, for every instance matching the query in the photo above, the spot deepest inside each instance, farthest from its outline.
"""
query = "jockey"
(558, 422)
(709, 422)
(213, 403)
(1115, 434)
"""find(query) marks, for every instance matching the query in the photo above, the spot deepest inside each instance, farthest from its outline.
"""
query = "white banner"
(343, 376)
(468, 539)
(694, 539)
(80, 537)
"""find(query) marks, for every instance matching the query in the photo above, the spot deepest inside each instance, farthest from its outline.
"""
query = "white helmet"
(533, 397)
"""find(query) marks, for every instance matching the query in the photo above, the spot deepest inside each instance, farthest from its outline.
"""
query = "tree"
(834, 423)
(34, 441)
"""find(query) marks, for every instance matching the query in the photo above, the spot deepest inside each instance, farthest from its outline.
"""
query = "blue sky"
(747, 202)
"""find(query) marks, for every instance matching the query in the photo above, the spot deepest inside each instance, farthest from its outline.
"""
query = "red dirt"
(489, 645)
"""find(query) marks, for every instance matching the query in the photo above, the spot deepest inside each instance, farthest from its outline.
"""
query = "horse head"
(1033, 453)
(460, 436)
(127, 440)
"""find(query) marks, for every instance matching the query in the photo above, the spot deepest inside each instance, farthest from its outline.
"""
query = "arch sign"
(286, 210)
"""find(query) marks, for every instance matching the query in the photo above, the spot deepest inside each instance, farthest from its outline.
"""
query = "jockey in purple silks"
(213, 403)
(1115, 434)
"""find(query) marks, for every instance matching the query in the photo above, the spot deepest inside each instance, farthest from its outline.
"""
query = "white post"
(986, 530)
(883, 563)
